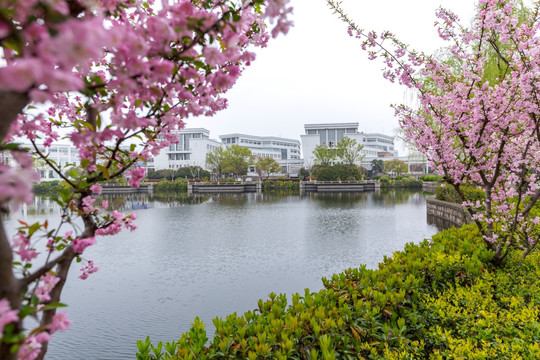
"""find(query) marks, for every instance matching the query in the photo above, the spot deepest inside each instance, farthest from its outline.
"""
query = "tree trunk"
(62, 270)
(11, 104)
(9, 287)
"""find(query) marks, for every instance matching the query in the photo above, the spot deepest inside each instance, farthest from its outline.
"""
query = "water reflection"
(391, 197)
(43, 206)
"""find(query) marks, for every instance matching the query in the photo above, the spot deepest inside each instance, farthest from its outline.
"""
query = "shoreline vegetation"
(437, 299)
(50, 188)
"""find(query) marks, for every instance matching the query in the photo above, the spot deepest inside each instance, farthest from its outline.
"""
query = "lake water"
(214, 255)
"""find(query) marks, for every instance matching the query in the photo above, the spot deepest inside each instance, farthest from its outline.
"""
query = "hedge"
(47, 188)
(400, 182)
(447, 192)
(176, 185)
(439, 299)
(281, 185)
(338, 172)
(431, 178)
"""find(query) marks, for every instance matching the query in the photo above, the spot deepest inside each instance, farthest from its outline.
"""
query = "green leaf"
(33, 228)
(104, 170)
(26, 310)
(11, 146)
(54, 305)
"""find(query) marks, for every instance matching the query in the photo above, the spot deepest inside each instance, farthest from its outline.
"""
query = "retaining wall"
(339, 186)
(121, 189)
(195, 188)
(445, 214)
(429, 186)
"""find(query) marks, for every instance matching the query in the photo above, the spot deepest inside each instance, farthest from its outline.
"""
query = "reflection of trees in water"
(339, 200)
(40, 206)
(272, 197)
(384, 197)
(390, 197)
(230, 199)
(125, 202)
(178, 199)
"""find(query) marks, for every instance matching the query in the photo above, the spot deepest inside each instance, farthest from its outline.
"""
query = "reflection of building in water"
(39, 206)
(141, 201)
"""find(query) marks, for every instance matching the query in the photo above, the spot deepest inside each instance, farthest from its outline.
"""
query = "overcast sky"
(317, 73)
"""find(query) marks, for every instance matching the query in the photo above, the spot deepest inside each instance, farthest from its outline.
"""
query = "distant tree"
(396, 166)
(377, 166)
(337, 172)
(197, 172)
(237, 160)
(169, 174)
(349, 151)
(324, 156)
(303, 173)
(216, 161)
(267, 165)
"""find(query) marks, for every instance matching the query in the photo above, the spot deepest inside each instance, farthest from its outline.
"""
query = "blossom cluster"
(477, 113)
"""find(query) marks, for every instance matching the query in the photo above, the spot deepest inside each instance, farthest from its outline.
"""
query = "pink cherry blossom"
(60, 323)
(478, 127)
(79, 245)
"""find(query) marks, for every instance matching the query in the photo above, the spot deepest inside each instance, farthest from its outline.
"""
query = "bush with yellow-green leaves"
(439, 299)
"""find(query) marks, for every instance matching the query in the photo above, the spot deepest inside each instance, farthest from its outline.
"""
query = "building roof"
(331, 126)
(259, 137)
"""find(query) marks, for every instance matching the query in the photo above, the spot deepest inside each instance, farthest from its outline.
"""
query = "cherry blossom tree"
(114, 78)
(477, 113)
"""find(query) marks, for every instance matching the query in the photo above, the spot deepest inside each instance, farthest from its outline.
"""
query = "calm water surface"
(212, 256)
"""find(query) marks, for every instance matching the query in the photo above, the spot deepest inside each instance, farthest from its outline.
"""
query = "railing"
(342, 182)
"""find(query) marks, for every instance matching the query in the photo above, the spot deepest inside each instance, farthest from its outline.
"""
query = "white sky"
(317, 73)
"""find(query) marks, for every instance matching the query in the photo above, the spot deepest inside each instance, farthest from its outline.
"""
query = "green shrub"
(47, 188)
(337, 172)
(384, 180)
(493, 317)
(401, 181)
(408, 182)
(447, 192)
(176, 185)
(226, 180)
(282, 185)
(431, 178)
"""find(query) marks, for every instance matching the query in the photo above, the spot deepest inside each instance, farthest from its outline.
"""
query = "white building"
(61, 154)
(285, 151)
(191, 150)
(376, 146)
